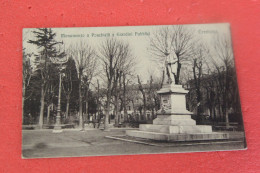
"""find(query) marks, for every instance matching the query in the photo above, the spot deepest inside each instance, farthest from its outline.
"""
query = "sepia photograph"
(101, 91)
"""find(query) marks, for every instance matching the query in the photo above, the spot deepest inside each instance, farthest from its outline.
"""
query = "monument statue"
(170, 69)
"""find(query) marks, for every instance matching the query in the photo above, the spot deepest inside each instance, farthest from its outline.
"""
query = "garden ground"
(93, 142)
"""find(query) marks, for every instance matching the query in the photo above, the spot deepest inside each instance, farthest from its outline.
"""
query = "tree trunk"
(106, 123)
(153, 115)
(48, 113)
(134, 109)
(81, 123)
(144, 99)
(220, 112)
(198, 93)
(125, 114)
(212, 107)
(226, 116)
(98, 103)
(211, 113)
(87, 113)
(24, 90)
(199, 111)
(116, 110)
(124, 99)
(140, 114)
(67, 108)
(226, 98)
(215, 114)
(42, 108)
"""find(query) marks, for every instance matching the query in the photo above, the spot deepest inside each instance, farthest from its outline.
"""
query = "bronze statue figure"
(169, 71)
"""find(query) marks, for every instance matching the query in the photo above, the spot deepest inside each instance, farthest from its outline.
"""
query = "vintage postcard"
(129, 90)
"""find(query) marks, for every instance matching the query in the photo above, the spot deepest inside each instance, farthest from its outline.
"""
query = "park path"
(74, 143)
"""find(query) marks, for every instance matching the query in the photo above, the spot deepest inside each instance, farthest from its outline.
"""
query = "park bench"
(29, 127)
(233, 128)
(120, 125)
(222, 126)
(231, 123)
(66, 126)
(63, 126)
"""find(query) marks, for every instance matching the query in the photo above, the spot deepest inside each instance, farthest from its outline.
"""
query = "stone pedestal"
(57, 129)
(173, 122)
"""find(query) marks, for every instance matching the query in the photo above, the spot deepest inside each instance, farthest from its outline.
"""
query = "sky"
(137, 36)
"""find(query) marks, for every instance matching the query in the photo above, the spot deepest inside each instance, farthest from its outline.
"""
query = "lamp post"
(57, 125)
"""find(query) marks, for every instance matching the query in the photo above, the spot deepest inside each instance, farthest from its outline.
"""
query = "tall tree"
(153, 97)
(70, 75)
(200, 53)
(27, 73)
(115, 56)
(50, 95)
(170, 40)
(98, 100)
(47, 47)
(223, 63)
(122, 93)
(142, 90)
(85, 60)
(125, 82)
(209, 84)
(117, 87)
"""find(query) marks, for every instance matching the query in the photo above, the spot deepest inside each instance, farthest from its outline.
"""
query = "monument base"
(174, 122)
(177, 137)
(176, 128)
